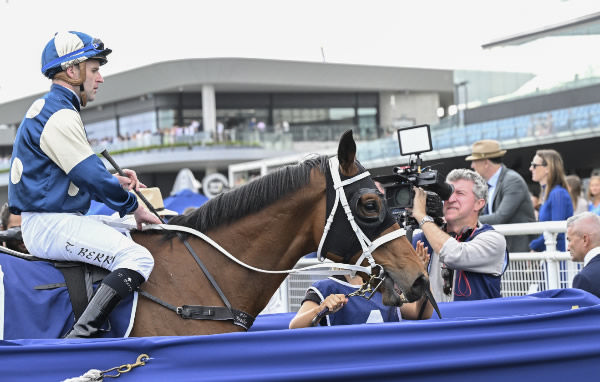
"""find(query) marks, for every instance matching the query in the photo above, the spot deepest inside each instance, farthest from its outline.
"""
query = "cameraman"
(468, 258)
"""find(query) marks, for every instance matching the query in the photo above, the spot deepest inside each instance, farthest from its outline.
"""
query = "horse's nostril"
(420, 285)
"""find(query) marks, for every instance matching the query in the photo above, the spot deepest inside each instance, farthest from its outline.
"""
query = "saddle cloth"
(29, 313)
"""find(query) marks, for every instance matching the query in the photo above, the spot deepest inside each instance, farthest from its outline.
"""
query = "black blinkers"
(342, 240)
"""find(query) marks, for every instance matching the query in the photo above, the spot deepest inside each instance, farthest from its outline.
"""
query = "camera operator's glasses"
(535, 165)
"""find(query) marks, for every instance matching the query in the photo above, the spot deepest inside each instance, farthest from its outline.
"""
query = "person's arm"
(410, 311)
(539, 244)
(435, 236)
(65, 143)
(484, 254)
(309, 310)
(514, 191)
(562, 205)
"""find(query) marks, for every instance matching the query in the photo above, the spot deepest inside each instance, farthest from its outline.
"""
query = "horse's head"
(405, 276)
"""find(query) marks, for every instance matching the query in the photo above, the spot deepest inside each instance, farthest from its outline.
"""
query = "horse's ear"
(347, 151)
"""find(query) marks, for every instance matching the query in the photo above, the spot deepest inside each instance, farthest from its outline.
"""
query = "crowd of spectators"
(225, 131)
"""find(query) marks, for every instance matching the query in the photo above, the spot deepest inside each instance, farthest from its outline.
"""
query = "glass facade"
(166, 118)
(100, 132)
(244, 116)
(137, 124)
(190, 115)
(243, 119)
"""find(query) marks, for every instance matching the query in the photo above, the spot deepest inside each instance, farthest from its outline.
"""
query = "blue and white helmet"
(70, 48)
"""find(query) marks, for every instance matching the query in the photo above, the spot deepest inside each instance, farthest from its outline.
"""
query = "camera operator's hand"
(421, 250)
(419, 204)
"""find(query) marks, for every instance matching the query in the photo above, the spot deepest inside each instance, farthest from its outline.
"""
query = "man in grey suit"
(508, 195)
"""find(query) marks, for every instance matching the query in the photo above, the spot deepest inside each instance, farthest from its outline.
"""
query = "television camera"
(398, 186)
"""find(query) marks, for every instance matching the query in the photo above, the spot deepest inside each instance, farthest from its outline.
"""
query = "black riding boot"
(104, 301)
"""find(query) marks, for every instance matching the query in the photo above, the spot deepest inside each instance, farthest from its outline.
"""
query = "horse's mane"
(251, 197)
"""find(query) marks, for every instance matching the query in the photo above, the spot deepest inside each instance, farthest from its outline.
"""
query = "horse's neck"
(274, 238)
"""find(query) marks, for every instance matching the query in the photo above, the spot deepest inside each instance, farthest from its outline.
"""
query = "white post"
(209, 110)
(553, 268)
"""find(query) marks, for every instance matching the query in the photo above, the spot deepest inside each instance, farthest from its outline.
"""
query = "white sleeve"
(484, 254)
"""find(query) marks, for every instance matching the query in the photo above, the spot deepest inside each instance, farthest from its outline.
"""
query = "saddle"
(79, 277)
(79, 280)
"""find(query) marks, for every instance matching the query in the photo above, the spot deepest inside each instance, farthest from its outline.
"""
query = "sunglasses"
(535, 165)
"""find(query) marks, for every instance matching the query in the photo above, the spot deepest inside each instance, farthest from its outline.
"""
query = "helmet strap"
(75, 82)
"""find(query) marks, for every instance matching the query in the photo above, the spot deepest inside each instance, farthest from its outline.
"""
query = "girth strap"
(199, 312)
(75, 277)
(79, 280)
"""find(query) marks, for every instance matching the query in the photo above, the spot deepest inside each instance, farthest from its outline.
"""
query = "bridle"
(367, 245)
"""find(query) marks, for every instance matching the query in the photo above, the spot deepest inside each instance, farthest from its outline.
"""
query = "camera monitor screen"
(414, 140)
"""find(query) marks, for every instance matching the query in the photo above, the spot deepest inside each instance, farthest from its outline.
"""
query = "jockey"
(54, 174)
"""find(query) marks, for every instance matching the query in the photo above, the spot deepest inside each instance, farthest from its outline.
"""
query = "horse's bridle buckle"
(365, 290)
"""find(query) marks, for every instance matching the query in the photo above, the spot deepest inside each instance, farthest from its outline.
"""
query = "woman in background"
(548, 170)
(593, 194)
(580, 204)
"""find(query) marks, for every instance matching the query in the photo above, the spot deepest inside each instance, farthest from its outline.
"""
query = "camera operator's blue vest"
(470, 285)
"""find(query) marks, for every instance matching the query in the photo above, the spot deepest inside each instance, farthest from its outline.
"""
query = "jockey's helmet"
(70, 48)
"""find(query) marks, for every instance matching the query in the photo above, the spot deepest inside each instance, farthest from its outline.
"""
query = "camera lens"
(403, 197)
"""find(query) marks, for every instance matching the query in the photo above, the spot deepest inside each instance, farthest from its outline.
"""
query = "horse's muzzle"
(418, 288)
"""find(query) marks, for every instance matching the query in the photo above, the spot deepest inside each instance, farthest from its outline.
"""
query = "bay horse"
(270, 223)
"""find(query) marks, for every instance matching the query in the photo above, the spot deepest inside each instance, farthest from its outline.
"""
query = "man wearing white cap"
(508, 198)
(54, 174)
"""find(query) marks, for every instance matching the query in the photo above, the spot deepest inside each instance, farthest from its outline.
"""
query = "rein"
(196, 312)
(245, 320)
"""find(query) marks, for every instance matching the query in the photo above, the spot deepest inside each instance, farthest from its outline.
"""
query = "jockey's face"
(93, 79)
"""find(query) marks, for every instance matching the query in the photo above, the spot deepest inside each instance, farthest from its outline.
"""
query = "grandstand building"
(206, 114)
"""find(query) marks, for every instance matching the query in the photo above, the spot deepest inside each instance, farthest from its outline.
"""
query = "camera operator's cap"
(154, 196)
(485, 149)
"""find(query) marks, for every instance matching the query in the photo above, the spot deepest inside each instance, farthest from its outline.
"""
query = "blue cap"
(69, 48)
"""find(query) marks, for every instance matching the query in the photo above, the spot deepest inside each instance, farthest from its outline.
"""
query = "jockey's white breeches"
(75, 237)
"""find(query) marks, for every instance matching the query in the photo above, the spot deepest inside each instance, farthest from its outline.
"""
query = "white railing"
(531, 272)
(528, 272)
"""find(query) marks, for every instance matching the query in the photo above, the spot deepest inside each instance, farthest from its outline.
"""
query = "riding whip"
(109, 158)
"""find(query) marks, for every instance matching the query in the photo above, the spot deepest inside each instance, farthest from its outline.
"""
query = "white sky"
(413, 33)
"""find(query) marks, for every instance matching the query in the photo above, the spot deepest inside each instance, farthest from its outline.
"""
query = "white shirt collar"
(494, 178)
(590, 255)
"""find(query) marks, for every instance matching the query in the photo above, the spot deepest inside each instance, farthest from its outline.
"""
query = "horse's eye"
(371, 206)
